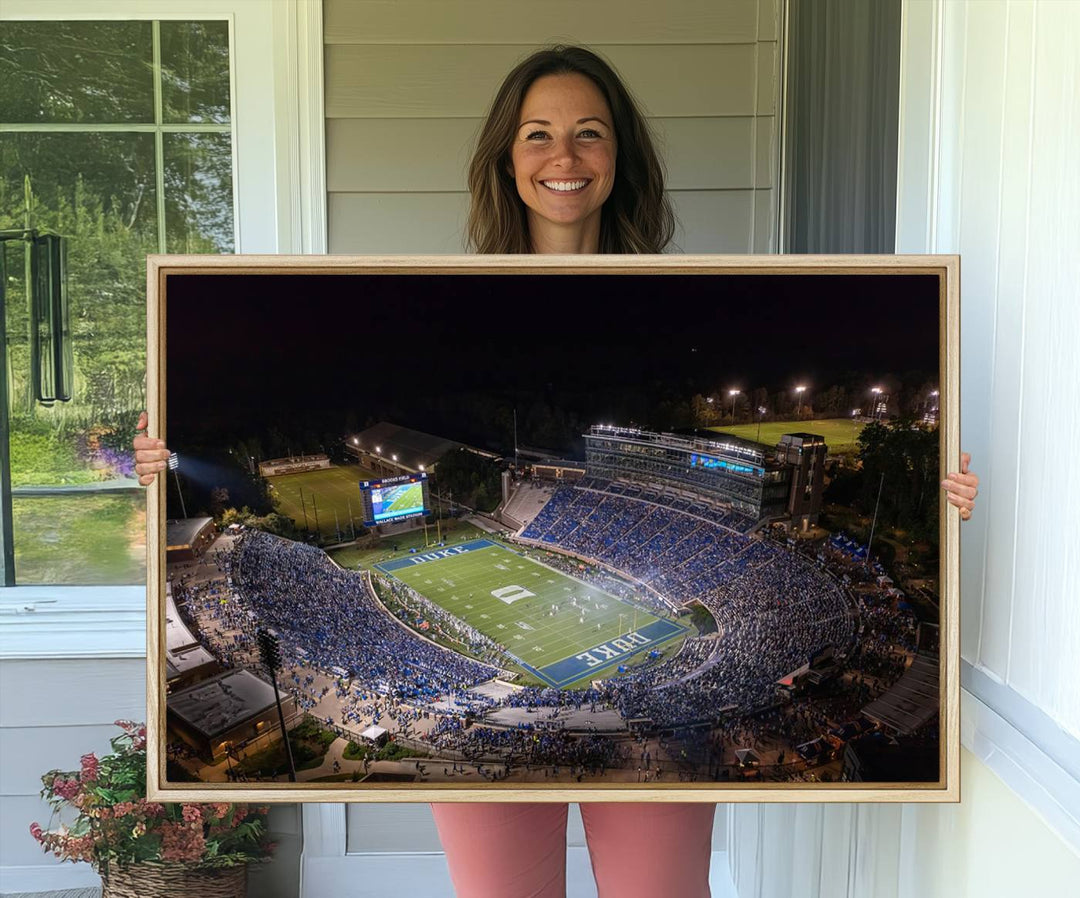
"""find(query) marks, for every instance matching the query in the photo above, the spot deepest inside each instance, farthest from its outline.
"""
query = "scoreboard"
(395, 498)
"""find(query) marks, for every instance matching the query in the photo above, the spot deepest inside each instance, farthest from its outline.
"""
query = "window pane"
(76, 72)
(198, 193)
(81, 540)
(97, 190)
(195, 71)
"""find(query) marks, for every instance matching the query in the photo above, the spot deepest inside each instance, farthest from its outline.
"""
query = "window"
(116, 135)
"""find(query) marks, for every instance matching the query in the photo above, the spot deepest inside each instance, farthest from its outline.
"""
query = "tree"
(704, 412)
(219, 499)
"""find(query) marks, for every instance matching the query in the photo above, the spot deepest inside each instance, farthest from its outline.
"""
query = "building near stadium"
(389, 450)
(728, 471)
(294, 464)
(187, 538)
(804, 454)
(233, 709)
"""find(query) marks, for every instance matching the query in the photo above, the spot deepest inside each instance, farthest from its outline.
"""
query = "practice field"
(325, 492)
(840, 433)
(510, 597)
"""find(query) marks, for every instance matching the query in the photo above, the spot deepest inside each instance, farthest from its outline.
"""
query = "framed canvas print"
(553, 528)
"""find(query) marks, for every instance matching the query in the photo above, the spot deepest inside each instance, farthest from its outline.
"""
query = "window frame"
(276, 94)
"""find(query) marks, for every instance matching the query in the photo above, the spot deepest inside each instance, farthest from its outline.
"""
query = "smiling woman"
(562, 117)
(563, 162)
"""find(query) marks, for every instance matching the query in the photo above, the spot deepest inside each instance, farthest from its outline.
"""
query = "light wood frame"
(947, 268)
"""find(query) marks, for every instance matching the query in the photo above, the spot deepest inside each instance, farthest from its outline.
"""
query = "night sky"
(250, 352)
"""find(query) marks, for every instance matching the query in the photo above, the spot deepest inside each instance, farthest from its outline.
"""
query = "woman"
(565, 164)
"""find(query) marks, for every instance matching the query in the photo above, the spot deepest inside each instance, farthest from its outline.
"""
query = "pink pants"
(518, 850)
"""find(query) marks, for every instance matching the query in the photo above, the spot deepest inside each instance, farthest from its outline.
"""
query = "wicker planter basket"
(150, 880)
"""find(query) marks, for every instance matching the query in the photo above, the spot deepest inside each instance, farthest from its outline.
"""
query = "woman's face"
(563, 155)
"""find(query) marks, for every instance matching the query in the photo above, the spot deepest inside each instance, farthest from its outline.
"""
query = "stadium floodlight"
(394, 456)
(174, 465)
(356, 441)
(378, 449)
(733, 394)
(270, 654)
(799, 390)
(421, 467)
(878, 401)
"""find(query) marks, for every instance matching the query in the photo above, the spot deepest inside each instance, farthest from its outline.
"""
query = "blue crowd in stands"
(774, 608)
(331, 615)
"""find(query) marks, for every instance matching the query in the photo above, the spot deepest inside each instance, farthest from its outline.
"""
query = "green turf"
(463, 584)
(451, 532)
(840, 433)
(325, 492)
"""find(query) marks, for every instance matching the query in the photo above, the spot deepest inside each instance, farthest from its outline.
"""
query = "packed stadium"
(564, 633)
(556, 544)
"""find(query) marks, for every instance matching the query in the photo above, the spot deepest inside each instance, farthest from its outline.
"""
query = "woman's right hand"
(151, 455)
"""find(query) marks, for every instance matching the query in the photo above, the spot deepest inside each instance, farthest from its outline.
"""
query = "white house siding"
(408, 83)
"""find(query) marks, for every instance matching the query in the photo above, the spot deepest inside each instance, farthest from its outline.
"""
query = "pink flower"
(36, 832)
(192, 813)
(181, 842)
(89, 768)
(65, 788)
(123, 808)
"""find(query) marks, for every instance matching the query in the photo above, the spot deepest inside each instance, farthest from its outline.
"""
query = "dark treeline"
(899, 462)
(469, 479)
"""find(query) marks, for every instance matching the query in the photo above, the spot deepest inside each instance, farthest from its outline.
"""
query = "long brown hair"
(637, 216)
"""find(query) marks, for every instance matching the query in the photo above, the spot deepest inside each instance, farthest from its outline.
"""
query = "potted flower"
(141, 847)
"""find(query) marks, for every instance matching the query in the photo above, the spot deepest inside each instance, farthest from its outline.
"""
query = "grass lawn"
(840, 433)
(85, 539)
(311, 494)
(509, 597)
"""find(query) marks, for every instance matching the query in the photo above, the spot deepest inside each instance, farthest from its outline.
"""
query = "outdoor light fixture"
(174, 465)
(799, 390)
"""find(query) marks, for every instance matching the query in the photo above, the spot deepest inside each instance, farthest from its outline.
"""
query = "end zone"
(388, 567)
(607, 653)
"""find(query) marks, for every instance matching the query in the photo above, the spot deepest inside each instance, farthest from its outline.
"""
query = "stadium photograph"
(519, 531)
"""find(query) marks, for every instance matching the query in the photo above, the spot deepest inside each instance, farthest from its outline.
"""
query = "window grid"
(158, 128)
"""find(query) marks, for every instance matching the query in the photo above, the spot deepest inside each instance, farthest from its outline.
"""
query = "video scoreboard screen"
(394, 498)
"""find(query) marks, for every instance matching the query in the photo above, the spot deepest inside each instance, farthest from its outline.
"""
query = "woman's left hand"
(961, 488)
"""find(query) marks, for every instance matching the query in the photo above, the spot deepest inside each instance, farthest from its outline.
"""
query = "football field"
(320, 494)
(840, 433)
(563, 631)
